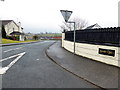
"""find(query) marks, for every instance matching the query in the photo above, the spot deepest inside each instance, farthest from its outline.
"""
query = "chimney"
(19, 24)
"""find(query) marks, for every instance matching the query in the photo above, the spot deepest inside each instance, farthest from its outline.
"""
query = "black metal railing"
(106, 36)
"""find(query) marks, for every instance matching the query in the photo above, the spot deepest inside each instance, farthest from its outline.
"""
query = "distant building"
(93, 26)
(13, 29)
(29, 36)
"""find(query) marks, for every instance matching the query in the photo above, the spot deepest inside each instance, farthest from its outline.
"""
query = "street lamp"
(66, 15)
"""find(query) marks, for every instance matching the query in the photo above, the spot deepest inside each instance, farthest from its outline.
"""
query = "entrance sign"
(107, 52)
(66, 14)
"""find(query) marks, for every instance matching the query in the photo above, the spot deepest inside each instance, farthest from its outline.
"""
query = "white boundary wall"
(92, 51)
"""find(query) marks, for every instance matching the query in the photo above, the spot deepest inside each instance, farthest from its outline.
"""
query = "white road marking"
(4, 69)
(37, 59)
(12, 49)
(9, 57)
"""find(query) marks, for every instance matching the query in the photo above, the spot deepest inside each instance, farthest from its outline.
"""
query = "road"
(27, 66)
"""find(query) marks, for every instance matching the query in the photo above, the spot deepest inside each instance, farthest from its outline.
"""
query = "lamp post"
(74, 35)
(66, 15)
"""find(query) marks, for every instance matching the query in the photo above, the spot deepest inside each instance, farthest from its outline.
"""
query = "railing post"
(74, 37)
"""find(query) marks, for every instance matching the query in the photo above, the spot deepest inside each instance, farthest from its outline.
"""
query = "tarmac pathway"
(100, 74)
(29, 67)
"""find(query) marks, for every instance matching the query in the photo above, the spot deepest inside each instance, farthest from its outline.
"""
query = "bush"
(3, 32)
(9, 37)
(17, 38)
(25, 38)
(13, 38)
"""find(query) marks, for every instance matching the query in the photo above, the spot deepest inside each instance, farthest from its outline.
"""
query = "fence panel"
(106, 36)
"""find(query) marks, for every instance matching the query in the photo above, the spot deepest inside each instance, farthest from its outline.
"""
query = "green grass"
(5, 41)
(51, 35)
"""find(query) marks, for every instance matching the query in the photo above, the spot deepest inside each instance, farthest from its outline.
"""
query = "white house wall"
(63, 37)
(10, 27)
(92, 51)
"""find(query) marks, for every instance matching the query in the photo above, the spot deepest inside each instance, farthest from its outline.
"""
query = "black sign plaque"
(107, 52)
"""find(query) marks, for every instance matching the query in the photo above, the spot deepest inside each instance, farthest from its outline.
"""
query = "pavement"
(100, 74)
(29, 67)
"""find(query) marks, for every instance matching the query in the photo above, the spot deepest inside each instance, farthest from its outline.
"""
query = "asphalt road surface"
(27, 66)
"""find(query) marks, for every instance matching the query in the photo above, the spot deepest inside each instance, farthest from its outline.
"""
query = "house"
(12, 29)
(93, 26)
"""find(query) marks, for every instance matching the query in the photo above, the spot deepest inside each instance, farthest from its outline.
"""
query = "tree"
(79, 24)
(35, 37)
(3, 32)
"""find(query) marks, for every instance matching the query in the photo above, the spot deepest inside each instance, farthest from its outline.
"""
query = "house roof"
(4, 22)
(93, 26)
(16, 33)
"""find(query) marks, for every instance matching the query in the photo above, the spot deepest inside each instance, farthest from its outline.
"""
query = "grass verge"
(6, 41)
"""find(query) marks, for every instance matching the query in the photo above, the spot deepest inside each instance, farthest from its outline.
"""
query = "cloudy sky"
(44, 15)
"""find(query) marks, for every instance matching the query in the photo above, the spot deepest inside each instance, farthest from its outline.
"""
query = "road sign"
(66, 14)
